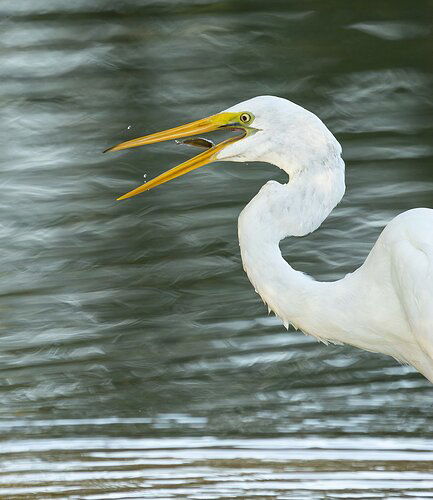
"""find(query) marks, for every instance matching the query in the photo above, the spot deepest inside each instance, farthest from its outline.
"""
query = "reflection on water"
(136, 359)
(216, 468)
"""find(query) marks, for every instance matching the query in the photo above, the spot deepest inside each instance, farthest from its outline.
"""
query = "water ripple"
(136, 359)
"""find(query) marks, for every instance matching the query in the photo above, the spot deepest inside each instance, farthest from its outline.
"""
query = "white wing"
(412, 266)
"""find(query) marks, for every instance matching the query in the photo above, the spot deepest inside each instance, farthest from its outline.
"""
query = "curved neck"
(281, 210)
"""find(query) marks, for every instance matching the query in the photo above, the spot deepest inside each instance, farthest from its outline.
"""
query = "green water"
(135, 358)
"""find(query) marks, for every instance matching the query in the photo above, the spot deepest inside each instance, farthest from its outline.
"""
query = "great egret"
(384, 306)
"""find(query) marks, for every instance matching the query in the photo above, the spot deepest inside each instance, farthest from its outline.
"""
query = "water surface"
(135, 358)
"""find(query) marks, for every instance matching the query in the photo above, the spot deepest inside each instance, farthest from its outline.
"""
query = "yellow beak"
(209, 124)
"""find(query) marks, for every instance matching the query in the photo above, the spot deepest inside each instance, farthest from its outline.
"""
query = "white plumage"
(384, 306)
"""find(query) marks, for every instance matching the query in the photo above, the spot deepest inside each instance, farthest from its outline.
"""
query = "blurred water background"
(135, 358)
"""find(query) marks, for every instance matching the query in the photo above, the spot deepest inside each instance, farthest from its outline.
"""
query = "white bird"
(386, 305)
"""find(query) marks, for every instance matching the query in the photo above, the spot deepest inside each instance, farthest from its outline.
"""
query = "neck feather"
(277, 211)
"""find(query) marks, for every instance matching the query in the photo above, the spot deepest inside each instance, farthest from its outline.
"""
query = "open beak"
(214, 122)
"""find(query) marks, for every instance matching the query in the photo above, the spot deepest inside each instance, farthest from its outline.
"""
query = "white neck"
(293, 209)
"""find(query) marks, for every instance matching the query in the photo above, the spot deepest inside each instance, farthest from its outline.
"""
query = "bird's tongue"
(198, 142)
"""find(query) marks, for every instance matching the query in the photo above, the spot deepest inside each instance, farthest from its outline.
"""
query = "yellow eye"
(245, 117)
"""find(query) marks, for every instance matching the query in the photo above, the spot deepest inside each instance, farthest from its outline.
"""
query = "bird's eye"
(245, 117)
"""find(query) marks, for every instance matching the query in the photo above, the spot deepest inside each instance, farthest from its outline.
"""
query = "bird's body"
(384, 306)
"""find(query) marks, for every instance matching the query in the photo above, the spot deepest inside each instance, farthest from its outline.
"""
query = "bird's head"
(264, 127)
